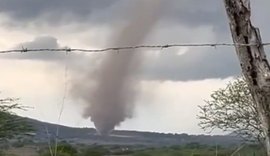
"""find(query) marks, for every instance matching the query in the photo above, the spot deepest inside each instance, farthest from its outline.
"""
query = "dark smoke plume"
(111, 100)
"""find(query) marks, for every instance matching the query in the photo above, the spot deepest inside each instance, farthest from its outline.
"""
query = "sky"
(172, 82)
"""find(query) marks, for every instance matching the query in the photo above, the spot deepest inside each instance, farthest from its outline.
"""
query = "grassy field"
(199, 152)
(193, 149)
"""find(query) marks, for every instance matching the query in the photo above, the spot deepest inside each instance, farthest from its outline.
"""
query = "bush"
(62, 150)
(18, 144)
(95, 151)
(67, 148)
(59, 154)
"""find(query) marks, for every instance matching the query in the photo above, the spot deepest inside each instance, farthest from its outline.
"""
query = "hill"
(89, 136)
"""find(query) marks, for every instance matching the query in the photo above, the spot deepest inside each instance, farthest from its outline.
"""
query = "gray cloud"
(196, 13)
(31, 9)
(188, 12)
(196, 64)
(219, 63)
(107, 11)
(42, 41)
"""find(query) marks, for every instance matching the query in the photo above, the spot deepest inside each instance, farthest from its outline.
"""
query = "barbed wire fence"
(54, 150)
(166, 46)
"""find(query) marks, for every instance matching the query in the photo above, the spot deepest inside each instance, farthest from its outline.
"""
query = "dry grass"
(23, 151)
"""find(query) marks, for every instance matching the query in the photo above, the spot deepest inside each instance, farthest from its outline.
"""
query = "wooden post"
(254, 64)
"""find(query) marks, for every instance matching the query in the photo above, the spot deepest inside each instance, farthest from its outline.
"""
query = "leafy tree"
(12, 125)
(232, 109)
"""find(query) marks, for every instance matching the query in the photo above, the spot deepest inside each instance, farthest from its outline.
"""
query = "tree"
(232, 109)
(11, 125)
(253, 60)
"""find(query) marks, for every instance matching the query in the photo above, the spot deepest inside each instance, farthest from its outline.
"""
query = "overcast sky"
(173, 82)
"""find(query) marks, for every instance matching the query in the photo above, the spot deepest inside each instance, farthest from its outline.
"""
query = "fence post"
(253, 61)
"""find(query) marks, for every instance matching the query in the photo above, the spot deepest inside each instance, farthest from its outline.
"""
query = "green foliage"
(10, 124)
(202, 150)
(192, 149)
(18, 144)
(193, 145)
(95, 151)
(232, 109)
(2, 153)
(63, 149)
(67, 148)
(58, 154)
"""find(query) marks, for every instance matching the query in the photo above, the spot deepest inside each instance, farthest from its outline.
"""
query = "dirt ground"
(23, 151)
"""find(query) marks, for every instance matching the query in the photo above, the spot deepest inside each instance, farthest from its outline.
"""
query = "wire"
(23, 50)
(62, 104)
(49, 140)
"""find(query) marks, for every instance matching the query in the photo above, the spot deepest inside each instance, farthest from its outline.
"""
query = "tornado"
(111, 100)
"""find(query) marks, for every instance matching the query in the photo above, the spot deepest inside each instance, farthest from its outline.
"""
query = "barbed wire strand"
(23, 50)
